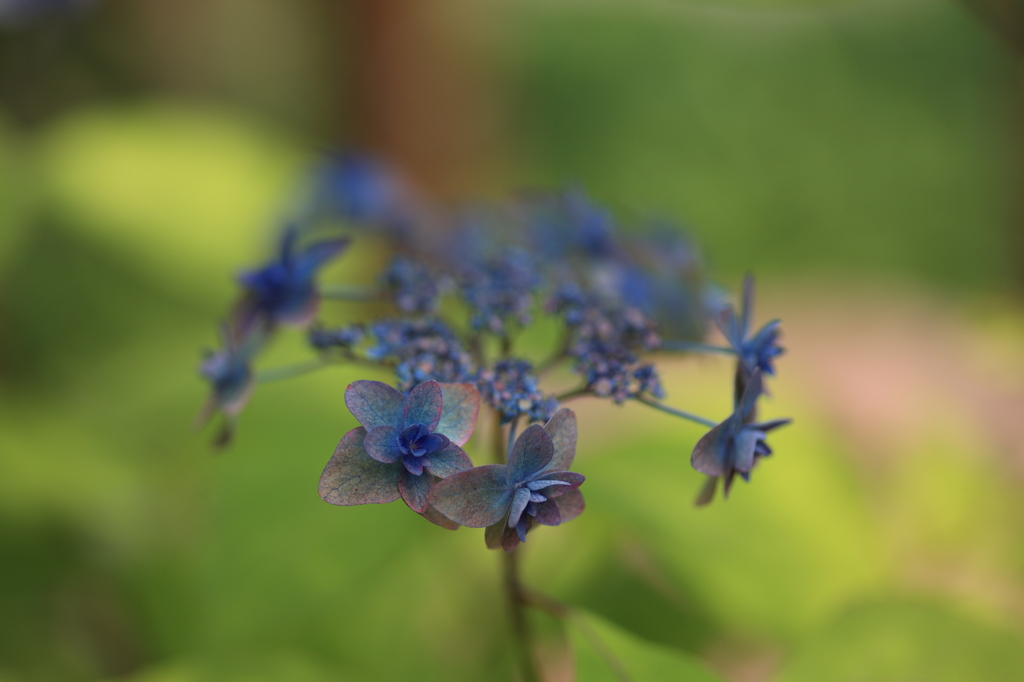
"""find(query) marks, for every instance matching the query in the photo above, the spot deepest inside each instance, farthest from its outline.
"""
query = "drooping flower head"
(734, 446)
(403, 443)
(534, 487)
(229, 372)
(757, 352)
(284, 291)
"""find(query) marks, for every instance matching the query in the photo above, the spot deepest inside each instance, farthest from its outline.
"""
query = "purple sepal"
(476, 498)
(439, 519)
(414, 490)
(492, 536)
(451, 460)
(382, 444)
(374, 403)
(563, 431)
(460, 407)
(352, 477)
(570, 505)
(531, 452)
(424, 405)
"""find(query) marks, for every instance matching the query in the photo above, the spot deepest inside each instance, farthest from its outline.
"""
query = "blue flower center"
(417, 443)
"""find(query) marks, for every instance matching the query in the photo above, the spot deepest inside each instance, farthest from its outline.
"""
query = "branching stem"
(348, 292)
(575, 393)
(695, 347)
(673, 411)
(265, 376)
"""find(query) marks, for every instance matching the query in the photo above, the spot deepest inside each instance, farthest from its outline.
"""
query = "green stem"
(514, 592)
(265, 376)
(348, 292)
(693, 346)
(673, 411)
(575, 393)
(517, 610)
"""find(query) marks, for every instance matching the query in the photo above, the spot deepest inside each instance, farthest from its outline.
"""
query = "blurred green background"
(863, 157)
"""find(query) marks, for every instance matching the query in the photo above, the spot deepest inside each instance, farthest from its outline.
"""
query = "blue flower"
(511, 389)
(534, 487)
(283, 291)
(757, 352)
(361, 189)
(735, 445)
(403, 443)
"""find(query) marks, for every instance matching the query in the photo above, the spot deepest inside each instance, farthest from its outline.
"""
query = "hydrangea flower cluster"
(444, 317)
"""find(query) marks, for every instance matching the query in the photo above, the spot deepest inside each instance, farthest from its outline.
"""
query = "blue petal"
(563, 431)
(555, 481)
(459, 410)
(374, 403)
(769, 425)
(434, 442)
(288, 240)
(424, 406)
(519, 502)
(521, 529)
(476, 498)
(414, 490)
(451, 460)
(532, 451)
(317, 255)
(745, 444)
(544, 483)
(382, 444)
(413, 465)
(352, 477)
(727, 323)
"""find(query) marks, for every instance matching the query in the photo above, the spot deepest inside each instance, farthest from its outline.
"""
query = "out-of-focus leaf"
(606, 653)
(15, 194)
(899, 641)
(182, 190)
(782, 553)
(857, 141)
